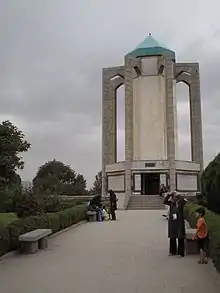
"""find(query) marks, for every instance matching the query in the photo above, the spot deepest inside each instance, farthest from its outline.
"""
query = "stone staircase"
(145, 202)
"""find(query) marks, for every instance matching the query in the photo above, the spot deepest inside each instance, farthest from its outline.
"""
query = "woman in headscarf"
(176, 224)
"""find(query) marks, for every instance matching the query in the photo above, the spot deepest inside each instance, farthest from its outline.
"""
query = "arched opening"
(120, 122)
(183, 72)
(161, 70)
(183, 122)
(137, 70)
(116, 76)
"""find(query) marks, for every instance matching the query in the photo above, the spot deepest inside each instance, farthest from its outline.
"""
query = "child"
(202, 235)
(105, 213)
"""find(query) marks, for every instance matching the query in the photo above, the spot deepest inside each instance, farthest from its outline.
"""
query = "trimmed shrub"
(28, 205)
(201, 200)
(50, 204)
(69, 203)
(213, 222)
(9, 234)
(211, 184)
(25, 225)
(4, 239)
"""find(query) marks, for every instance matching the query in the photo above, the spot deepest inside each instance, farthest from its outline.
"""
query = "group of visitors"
(174, 203)
(101, 210)
(176, 227)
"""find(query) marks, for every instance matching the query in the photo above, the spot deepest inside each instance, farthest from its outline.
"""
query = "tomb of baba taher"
(149, 75)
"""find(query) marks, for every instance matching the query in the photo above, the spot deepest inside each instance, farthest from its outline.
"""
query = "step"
(144, 208)
(136, 207)
(159, 201)
(142, 202)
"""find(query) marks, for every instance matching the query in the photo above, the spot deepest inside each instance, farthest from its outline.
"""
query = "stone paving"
(129, 255)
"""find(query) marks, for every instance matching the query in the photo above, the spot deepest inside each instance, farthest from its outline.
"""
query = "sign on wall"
(116, 182)
(163, 179)
(187, 182)
(137, 182)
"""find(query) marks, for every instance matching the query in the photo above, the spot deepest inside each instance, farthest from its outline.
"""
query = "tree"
(54, 177)
(97, 185)
(10, 194)
(210, 181)
(80, 185)
(12, 144)
(28, 205)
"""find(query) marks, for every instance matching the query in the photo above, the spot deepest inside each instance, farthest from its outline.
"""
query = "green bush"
(4, 239)
(69, 203)
(30, 204)
(50, 204)
(213, 222)
(24, 225)
(9, 234)
(27, 205)
(210, 182)
(7, 218)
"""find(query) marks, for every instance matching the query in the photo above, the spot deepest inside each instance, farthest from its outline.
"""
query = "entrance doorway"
(150, 183)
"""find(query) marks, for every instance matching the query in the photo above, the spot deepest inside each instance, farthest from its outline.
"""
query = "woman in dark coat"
(113, 204)
(95, 205)
(95, 202)
(176, 224)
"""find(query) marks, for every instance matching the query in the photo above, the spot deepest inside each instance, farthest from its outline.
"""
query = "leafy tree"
(211, 184)
(12, 144)
(97, 184)
(80, 185)
(10, 194)
(54, 177)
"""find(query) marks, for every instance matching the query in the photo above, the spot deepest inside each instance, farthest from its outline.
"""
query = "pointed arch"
(183, 121)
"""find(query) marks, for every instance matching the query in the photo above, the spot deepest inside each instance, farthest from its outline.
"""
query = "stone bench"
(91, 216)
(191, 245)
(32, 241)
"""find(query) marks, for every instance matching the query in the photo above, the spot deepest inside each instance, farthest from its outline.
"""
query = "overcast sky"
(51, 56)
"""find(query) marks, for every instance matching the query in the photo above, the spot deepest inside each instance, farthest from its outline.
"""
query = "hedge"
(213, 222)
(69, 203)
(10, 233)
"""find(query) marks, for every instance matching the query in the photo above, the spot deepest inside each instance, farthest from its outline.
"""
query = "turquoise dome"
(150, 47)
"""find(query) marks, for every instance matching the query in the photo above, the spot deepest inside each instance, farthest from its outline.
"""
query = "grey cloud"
(51, 56)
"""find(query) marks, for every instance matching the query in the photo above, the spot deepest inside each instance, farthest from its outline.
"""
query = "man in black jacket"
(176, 224)
(113, 204)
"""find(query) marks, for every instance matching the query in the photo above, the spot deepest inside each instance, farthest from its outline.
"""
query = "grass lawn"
(7, 218)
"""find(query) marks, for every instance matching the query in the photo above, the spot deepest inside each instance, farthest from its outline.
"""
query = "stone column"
(128, 82)
(108, 126)
(196, 117)
(170, 121)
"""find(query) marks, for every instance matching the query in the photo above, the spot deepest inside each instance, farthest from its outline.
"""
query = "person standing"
(176, 224)
(162, 190)
(167, 207)
(113, 204)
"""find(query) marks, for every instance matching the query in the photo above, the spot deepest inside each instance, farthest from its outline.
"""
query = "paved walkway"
(129, 255)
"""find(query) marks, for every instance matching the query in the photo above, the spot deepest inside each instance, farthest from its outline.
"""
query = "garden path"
(129, 255)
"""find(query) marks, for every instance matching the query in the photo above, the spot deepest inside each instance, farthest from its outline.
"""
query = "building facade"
(149, 75)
